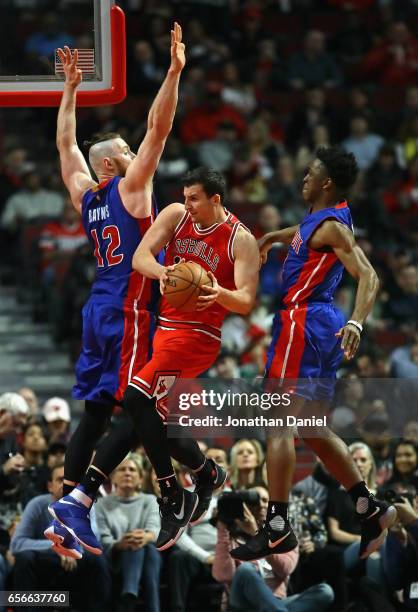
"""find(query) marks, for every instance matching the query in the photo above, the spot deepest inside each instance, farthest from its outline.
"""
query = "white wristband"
(356, 324)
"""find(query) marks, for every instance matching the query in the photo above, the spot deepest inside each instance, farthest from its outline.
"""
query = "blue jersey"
(118, 319)
(304, 347)
(308, 275)
(114, 235)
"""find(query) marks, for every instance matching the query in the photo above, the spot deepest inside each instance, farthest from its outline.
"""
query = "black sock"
(92, 481)
(169, 486)
(67, 488)
(277, 515)
(362, 498)
(205, 472)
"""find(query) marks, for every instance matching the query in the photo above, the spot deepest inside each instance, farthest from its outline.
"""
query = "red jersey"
(213, 249)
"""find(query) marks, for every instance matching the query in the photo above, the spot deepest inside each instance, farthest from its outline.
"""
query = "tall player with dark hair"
(309, 339)
(117, 319)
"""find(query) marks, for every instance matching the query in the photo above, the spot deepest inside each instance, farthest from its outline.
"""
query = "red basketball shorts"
(176, 354)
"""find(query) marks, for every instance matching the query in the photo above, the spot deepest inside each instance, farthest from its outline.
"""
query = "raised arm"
(160, 120)
(284, 236)
(337, 236)
(74, 169)
(246, 265)
(155, 239)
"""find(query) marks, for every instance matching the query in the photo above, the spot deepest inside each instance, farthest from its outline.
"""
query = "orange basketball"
(183, 285)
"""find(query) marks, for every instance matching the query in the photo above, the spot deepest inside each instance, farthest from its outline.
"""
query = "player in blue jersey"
(116, 211)
(309, 340)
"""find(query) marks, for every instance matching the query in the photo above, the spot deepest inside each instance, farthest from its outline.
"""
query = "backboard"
(30, 71)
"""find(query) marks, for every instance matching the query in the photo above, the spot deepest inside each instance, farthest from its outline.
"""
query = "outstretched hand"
(178, 57)
(73, 74)
(350, 340)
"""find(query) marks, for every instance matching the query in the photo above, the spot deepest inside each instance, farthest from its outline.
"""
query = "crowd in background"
(266, 82)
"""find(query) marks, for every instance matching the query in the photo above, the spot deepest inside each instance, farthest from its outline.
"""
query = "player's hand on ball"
(178, 57)
(164, 275)
(264, 247)
(73, 75)
(350, 340)
(212, 294)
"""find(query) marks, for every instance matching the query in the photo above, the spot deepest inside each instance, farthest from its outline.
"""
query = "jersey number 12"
(110, 233)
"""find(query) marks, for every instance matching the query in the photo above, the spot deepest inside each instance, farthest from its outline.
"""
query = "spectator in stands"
(400, 552)
(284, 192)
(402, 307)
(410, 431)
(394, 62)
(11, 172)
(219, 152)
(219, 455)
(56, 412)
(192, 560)
(317, 486)
(128, 523)
(55, 453)
(313, 67)
(407, 202)
(43, 43)
(404, 361)
(31, 399)
(13, 415)
(312, 112)
(405, 465)
(306, 152)
(58, 242)
(246, 464)
(376, 433)
(236, 93)
(34, 478)
(407, 147)
(343, 525)
(38, 567)
(364, 144)
(173, 165)
(384, 176)
(144, 74)
(261, 585)
(31, 203)
(202, 122)
(318, 561)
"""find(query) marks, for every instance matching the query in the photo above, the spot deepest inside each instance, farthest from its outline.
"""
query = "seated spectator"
(56, 412)
(384, 176)
(312, 112)
(30, 398)
(55, 453)
(364, 144)
(202, 122)
(246, 464)
(236, 93)
(284, 191)
(31, 203)
(317, 486)
(410, 431)
(34, 478)
(318, 561)
(313, 67)
(192, 559)
(402, 307)
(404, 362)
(261, 585)
(407, 201)
(128, 522)
(405, 465)
(58, 242)
(400, 551)
(376, 433)
(39, 568)
(394, 61)
(51, 35)
(218, 153)
(306, 153)
(343, 524)
(13, 416)
(144, 74)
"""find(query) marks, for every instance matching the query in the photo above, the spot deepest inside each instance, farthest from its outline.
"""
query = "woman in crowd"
(247, 458)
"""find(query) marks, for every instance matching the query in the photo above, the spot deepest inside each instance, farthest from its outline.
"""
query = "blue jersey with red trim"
(114, 235)
(309, 275)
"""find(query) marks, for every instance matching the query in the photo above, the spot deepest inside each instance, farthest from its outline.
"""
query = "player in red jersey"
(309, 338)
(187, 344)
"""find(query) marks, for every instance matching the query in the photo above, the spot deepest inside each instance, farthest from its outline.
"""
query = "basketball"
(183, 285)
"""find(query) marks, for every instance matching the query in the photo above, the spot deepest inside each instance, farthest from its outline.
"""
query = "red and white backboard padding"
(39, 81)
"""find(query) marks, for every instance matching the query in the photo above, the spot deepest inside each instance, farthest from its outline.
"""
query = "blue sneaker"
(63, 541)
(75, 517)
